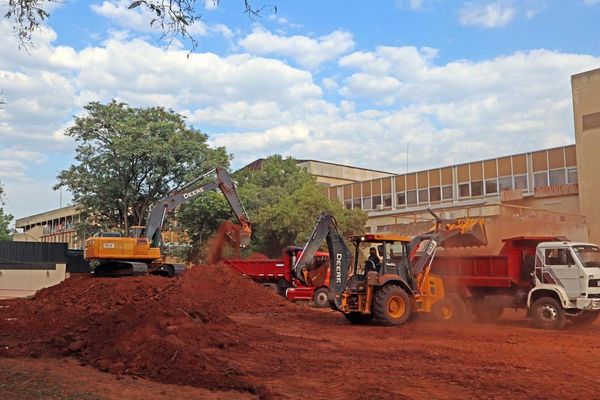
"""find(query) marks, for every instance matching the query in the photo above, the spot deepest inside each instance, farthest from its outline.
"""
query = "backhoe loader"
(402, 285)
(112, 255)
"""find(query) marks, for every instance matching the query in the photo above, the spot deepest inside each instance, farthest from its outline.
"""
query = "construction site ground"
(220, 336)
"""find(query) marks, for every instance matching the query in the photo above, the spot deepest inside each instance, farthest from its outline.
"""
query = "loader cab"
(392, 251)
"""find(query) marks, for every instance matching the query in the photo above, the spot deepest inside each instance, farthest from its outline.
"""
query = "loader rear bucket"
(467, 232)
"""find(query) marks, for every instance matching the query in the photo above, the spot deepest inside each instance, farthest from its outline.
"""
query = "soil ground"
(157, 340)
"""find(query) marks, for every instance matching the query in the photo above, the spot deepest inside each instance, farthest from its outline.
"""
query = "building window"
(572, 175)
(557, 177)
(491, 186)
(435, 194)
(447, 193)
(463, 190)
(387, 200)
(423, 196)
(376, 202)
(477, 188)
(505, 183)
(356, 204)
(411, 197)
(400, 199)
(540, 179)
(348, 204)
(521, 182)
(367, 204)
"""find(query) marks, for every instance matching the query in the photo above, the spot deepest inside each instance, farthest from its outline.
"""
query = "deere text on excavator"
(110, 254)
(388, 293)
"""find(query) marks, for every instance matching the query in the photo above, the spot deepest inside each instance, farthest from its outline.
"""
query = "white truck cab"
(566, 284)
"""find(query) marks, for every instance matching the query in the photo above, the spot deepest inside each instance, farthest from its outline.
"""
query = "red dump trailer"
(486, 285)
(277, 275)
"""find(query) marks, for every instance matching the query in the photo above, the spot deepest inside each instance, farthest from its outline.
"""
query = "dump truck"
(276, 274)
(553, 278)
(395, 290)
(110, 254)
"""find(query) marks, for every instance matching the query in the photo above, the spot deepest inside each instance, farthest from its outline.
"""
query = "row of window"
(466, 190)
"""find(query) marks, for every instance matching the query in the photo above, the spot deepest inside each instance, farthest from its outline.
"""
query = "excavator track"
(121, 268)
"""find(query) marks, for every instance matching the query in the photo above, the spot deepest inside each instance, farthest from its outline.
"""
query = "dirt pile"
(174, 330)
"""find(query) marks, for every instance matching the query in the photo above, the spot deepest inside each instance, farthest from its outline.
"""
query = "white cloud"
(590, 2)
(490, 15)
(306, 51)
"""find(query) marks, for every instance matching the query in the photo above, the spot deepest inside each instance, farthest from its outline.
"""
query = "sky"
(388, 85)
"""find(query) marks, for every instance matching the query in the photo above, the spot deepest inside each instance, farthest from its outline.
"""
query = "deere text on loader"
(110, 254)
(402, 285)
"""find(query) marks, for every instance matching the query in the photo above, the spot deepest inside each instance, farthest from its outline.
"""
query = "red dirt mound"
(257, 256)
(174, 330)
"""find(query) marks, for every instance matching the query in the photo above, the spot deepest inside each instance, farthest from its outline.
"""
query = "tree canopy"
(282, 200)
(5, 219)
(171, 18)
(128, 158)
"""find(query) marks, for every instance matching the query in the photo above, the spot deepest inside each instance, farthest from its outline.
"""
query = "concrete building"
(586, 112)
(54, 226)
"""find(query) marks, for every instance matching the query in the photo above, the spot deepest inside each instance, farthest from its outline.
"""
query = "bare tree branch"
(27, 15)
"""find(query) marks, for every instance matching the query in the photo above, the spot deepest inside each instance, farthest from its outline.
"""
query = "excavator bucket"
(468, 232)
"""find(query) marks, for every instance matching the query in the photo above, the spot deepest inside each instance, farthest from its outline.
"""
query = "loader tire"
(356, 318)
(321, 298)
(391, 306)
(451, 308)
(547, 313)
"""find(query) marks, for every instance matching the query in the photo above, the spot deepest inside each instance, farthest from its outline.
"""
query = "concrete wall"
(23, 283)
(337, 174)
(586, 111)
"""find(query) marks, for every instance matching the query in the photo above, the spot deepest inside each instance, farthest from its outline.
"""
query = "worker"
(373, 263)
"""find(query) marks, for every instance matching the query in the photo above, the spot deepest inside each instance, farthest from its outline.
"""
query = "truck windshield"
(589, 256)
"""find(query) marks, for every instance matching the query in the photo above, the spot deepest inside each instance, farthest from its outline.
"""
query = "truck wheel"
(586, 318)
(391, 306)
(356, 318)
(547, 313)
(321, 297)
(272, 286)
(451, 308)
(486, 312)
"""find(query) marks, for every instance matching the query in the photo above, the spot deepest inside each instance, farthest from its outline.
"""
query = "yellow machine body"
(120, 248)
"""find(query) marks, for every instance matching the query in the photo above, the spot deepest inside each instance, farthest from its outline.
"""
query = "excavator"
(401, 286)
(110, 254)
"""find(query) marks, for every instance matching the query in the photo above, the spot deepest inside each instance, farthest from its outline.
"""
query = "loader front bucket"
(468, 232)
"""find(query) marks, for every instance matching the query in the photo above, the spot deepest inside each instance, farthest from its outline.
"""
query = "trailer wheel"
(356, 318)
(547, 313)
(586, 318)
(391, 306)
(486, 312)
(451, 308)
(321, 297)
(272, 286)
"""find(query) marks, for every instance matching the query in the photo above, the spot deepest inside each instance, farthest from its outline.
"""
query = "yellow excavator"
(110, 254)
(401, 285)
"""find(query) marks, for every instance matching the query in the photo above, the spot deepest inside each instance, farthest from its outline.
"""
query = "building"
(54, 226)
(586, 112)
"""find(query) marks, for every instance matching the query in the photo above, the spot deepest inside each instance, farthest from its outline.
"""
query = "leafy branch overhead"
(172, 18)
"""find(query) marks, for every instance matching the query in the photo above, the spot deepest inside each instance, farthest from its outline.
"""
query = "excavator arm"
(339, 253)
(190, 191)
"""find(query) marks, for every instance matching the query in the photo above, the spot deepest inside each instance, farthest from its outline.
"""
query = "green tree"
(128, 158)
(5, 219)
(282, 201)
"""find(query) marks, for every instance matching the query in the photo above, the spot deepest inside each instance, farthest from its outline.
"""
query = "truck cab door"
(560, 267)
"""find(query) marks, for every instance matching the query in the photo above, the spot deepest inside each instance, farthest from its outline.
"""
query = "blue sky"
(341, 81)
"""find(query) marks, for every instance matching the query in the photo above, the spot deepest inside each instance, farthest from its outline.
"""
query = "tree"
(5, 219)
(282, 200)
(172, 18)
(129, 158)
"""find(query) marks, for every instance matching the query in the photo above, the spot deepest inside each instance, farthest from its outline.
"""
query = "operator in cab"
(373, 263)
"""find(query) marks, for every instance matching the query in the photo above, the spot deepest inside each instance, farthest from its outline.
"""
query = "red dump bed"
(512, 267)
(263, 269)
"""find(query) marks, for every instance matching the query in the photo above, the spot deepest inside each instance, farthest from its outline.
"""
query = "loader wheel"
(547, 313)
(451, 308)
(391, 306)
(356, 318)
(321, 297)
(587, 318)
